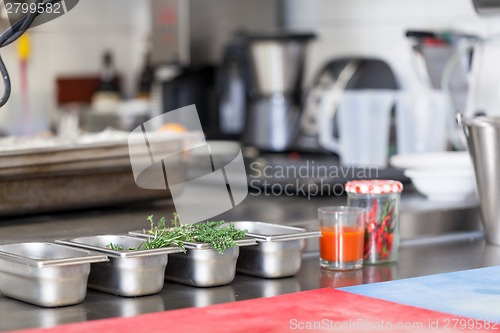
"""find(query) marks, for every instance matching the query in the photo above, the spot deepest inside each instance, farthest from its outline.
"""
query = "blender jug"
(363, 124)
(442, 60)
(277, 63)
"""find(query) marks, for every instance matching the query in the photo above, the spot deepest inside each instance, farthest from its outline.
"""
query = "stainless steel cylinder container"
(483, 141)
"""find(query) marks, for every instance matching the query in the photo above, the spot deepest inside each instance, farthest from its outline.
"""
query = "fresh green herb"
(220, 236)
(160, 225)
(162, 237)
(116, 247)
(165, 237)
(176, 222)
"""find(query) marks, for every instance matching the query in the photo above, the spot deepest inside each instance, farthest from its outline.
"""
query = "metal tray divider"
(298, 233)
(39, 263)
(285, 237)
(122, 254)
(205, 246)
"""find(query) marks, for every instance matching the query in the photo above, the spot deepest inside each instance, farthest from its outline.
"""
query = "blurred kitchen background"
(340, 83)
(73, 45)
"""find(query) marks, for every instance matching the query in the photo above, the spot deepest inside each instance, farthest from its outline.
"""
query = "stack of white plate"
(443, 176)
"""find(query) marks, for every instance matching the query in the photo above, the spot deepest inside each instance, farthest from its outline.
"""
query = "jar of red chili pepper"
(380, 198)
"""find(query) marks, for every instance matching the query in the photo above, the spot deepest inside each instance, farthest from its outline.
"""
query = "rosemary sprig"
(116, 247)
(211, 232)
(165, 237)
(220, 237)
(162, 237)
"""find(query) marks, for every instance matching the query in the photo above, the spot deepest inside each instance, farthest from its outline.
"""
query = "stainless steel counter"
(438, 238)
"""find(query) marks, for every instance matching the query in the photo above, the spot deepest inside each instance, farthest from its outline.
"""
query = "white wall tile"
(402, 10)
(377, 28)
(301, 11)
(493, 25)
(331, 12)
(452, 8)
(339, 42)
(96, 14)
(348, 10)
(74, 44)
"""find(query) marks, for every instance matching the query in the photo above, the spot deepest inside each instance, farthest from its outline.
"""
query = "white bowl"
(445, 159)
(444, 184)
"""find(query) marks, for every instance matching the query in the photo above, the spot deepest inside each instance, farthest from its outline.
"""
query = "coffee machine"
(276, 64)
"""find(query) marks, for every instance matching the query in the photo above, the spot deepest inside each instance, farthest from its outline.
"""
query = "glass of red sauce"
(341, 243)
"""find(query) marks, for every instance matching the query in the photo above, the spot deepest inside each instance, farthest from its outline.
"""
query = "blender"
(277, 67)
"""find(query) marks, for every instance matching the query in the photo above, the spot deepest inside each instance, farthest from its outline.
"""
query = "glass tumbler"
(381, 199)
(342, 235)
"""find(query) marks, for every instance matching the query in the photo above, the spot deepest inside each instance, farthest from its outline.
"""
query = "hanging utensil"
(24, 53)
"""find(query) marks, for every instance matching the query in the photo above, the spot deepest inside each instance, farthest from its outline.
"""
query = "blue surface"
(473, 293)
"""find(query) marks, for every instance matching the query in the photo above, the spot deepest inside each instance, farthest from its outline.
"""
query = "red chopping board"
(334, 310)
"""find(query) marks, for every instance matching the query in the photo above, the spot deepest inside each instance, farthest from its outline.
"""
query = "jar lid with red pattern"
(373, 186)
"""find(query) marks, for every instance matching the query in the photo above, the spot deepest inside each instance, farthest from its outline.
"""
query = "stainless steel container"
(129, 272)
(278, 62)
(45, 274)
(94, 172)
(483, 141)
(202, 265)
(279, 250)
